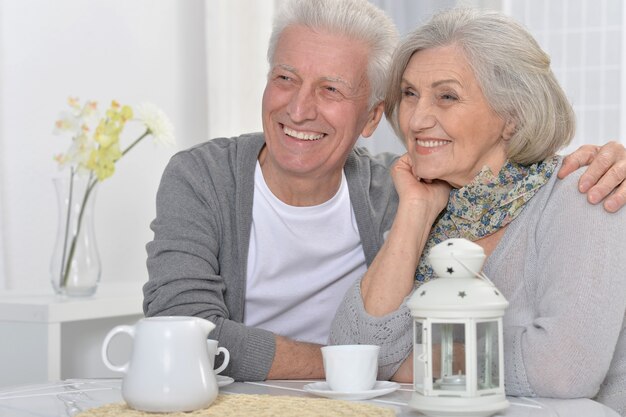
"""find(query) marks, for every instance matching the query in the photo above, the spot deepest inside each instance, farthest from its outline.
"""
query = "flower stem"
(132, 145)
(90, 184)
(67, 220)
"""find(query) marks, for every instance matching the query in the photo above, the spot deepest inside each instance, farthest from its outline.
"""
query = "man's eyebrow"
(340, 80)
(287, 67)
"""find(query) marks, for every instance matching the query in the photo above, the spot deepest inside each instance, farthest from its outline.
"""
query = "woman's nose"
(422, 117)
(303, 105)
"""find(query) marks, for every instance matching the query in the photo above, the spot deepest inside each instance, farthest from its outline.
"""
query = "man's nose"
(303, 105)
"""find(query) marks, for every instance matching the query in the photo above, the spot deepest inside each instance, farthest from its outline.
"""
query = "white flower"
(68, 122)
(77, 156)
(157, 123)
(78, 119)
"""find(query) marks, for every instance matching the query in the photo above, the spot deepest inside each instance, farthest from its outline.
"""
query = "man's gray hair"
(512, 71)
(356, 19)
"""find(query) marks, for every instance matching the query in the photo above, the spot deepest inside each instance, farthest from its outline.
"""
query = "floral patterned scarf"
(485, 205)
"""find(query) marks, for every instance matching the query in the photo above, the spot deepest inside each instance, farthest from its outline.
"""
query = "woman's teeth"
(431, 143)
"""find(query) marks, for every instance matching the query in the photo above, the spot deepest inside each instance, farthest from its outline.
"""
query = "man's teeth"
(432, 143)
(301, 135)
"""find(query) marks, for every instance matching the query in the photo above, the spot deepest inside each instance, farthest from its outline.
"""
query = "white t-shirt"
(291, 294)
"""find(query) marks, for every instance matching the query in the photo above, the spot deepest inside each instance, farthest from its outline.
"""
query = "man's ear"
(373, 118)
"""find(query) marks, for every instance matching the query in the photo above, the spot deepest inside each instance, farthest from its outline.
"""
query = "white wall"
(131, 51)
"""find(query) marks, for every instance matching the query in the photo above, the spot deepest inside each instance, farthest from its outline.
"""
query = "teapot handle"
(130, 330)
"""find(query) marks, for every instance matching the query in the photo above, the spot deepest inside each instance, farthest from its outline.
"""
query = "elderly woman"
(474, 99)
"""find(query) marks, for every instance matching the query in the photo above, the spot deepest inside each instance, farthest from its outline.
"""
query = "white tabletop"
(69, 397)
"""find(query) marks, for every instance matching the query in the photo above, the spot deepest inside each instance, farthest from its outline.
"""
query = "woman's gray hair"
(356, 19)
(512, 71)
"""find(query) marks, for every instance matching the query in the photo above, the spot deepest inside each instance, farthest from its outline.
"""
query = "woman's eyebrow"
(447, 81)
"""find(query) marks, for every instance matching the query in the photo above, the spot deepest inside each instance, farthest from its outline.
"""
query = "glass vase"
(75, 266)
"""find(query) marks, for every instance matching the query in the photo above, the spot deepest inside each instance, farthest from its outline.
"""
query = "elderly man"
(262, 234)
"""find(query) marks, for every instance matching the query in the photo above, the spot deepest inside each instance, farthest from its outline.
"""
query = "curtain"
(586, 41)
(237, 34)
(3, 279)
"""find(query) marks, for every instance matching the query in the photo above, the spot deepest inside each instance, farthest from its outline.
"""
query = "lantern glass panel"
(448, 368)
(487, 355)
(418, 357)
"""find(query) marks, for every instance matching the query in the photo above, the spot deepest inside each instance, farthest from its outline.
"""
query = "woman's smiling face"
(449, 129)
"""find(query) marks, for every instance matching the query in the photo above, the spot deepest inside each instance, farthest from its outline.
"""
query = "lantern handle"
(480, 274)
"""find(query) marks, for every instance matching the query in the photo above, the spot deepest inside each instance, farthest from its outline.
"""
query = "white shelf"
(111, 300)
(54, 337)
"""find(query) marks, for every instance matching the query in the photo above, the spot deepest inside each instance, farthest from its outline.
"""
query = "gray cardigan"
(562, 266)
(197, 260)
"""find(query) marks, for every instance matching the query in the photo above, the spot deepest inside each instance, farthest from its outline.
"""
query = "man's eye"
(333, 91)
(330, 92)
(284, 78)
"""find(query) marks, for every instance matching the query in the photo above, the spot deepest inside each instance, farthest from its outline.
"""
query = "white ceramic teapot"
(169, 369)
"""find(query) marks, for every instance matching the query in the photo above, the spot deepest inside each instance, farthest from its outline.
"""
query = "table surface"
(69, 397)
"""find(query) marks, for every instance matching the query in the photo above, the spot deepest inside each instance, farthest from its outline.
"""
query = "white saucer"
(223, 380)
(380, 388)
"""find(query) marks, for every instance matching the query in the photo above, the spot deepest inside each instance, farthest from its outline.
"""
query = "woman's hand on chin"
(411, 188)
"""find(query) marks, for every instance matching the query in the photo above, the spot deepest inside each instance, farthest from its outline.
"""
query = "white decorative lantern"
(458, 353)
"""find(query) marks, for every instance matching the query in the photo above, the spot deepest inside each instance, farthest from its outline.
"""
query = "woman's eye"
(449, 97)
(408, 93)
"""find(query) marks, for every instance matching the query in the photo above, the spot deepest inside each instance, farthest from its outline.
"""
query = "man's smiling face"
(315, 104)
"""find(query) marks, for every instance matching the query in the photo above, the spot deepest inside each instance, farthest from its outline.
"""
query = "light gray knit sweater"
(562, 266)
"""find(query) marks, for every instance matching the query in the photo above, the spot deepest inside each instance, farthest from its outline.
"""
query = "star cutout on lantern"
(497, 293)
(423, 293)
(462, 294)
(450, 270)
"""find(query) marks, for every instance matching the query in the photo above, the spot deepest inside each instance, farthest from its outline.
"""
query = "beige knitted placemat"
(245, 405)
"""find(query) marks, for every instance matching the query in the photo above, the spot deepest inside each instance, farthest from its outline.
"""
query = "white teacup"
(214, 351)
(350, 368)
